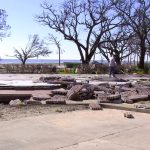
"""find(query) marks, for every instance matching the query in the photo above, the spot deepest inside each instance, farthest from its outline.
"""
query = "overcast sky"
(21, 15)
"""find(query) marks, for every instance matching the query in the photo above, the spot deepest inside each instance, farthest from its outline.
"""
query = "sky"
(21, 18)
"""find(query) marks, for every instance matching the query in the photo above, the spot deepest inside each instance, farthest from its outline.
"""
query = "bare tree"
(135, 16)
(55, 41)
(118, 44)
(34, 48)
(3, 25)
(78, 21)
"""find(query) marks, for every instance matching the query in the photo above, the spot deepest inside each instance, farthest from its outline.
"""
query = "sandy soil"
(9, 112)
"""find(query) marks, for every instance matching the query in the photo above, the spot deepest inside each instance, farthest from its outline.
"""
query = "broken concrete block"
(95, 106)
(128, 115)
(16, 102)
(33, 102)
(40, 97)
(73, 93)
(80, 92)
(98, 93)
(129, 101)
(59, 92)
(142, 106)
(136, 98)
(57, 100)
(117, 101)
(114, 97)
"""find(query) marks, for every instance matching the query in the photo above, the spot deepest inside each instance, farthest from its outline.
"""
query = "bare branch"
(34, 48)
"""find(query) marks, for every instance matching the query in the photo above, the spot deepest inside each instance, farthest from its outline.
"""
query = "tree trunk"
(23, 66)
(137, 59)
(118, 60)
(85, 67)
(59, 57)
(87, 59)
(86, 62)
(134, 59)
(142, 55)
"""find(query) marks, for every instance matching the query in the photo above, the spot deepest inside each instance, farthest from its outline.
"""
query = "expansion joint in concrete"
(100, 138)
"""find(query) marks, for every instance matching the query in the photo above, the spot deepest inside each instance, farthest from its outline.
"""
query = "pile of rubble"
(113, 90)
(64, 81)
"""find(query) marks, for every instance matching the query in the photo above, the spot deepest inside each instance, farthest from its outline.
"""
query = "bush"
(70, 67)
(71, 64)
(29, 68)
(135, 69)
(101, 68)
(147, 68)
(85, 69)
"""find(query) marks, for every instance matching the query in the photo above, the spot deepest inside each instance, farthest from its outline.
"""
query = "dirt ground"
(10, 112)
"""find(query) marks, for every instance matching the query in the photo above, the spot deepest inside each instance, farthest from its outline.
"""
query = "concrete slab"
(125, 106)
(91, 130)
(7, 95)
(26, 84)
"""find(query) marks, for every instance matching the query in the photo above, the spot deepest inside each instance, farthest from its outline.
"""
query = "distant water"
(36, 61)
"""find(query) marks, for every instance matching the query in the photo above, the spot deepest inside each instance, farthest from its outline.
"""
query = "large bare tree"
(135, 16)
(79, 21)
(34, 48)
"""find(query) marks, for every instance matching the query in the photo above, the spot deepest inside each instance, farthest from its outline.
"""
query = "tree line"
(119, 27)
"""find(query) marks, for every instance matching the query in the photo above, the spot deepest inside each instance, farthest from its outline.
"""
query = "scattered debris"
(128, 115)
(114, 97)
(33, 102)
(16, 102)
(136, 98)
(40, 97)
(64, 81)
(95, 106)
(59, 92)
(142, 106)
(102, 89)
(57, 100)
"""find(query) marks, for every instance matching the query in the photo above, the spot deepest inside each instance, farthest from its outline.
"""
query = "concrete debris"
(16, 102)
(57, 100)
(40, 97)
(95, 106)
(80, 92)
(102, 89)
(113, 97)
(128, 115)
(59, 92)
(33, 102)
(64, 81)
(142, 106)
(136, 98)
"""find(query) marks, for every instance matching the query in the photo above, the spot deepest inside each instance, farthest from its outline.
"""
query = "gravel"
(10, 112)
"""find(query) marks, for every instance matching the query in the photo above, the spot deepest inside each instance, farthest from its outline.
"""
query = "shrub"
(85, 69)
(71, 64)
(135, 69)
(30, 68)
(147, 68)
(101, 68)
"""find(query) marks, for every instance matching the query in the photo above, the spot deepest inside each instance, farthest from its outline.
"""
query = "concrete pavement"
(78, 130)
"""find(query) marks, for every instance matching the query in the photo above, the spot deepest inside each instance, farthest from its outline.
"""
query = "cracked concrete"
(79, 130)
